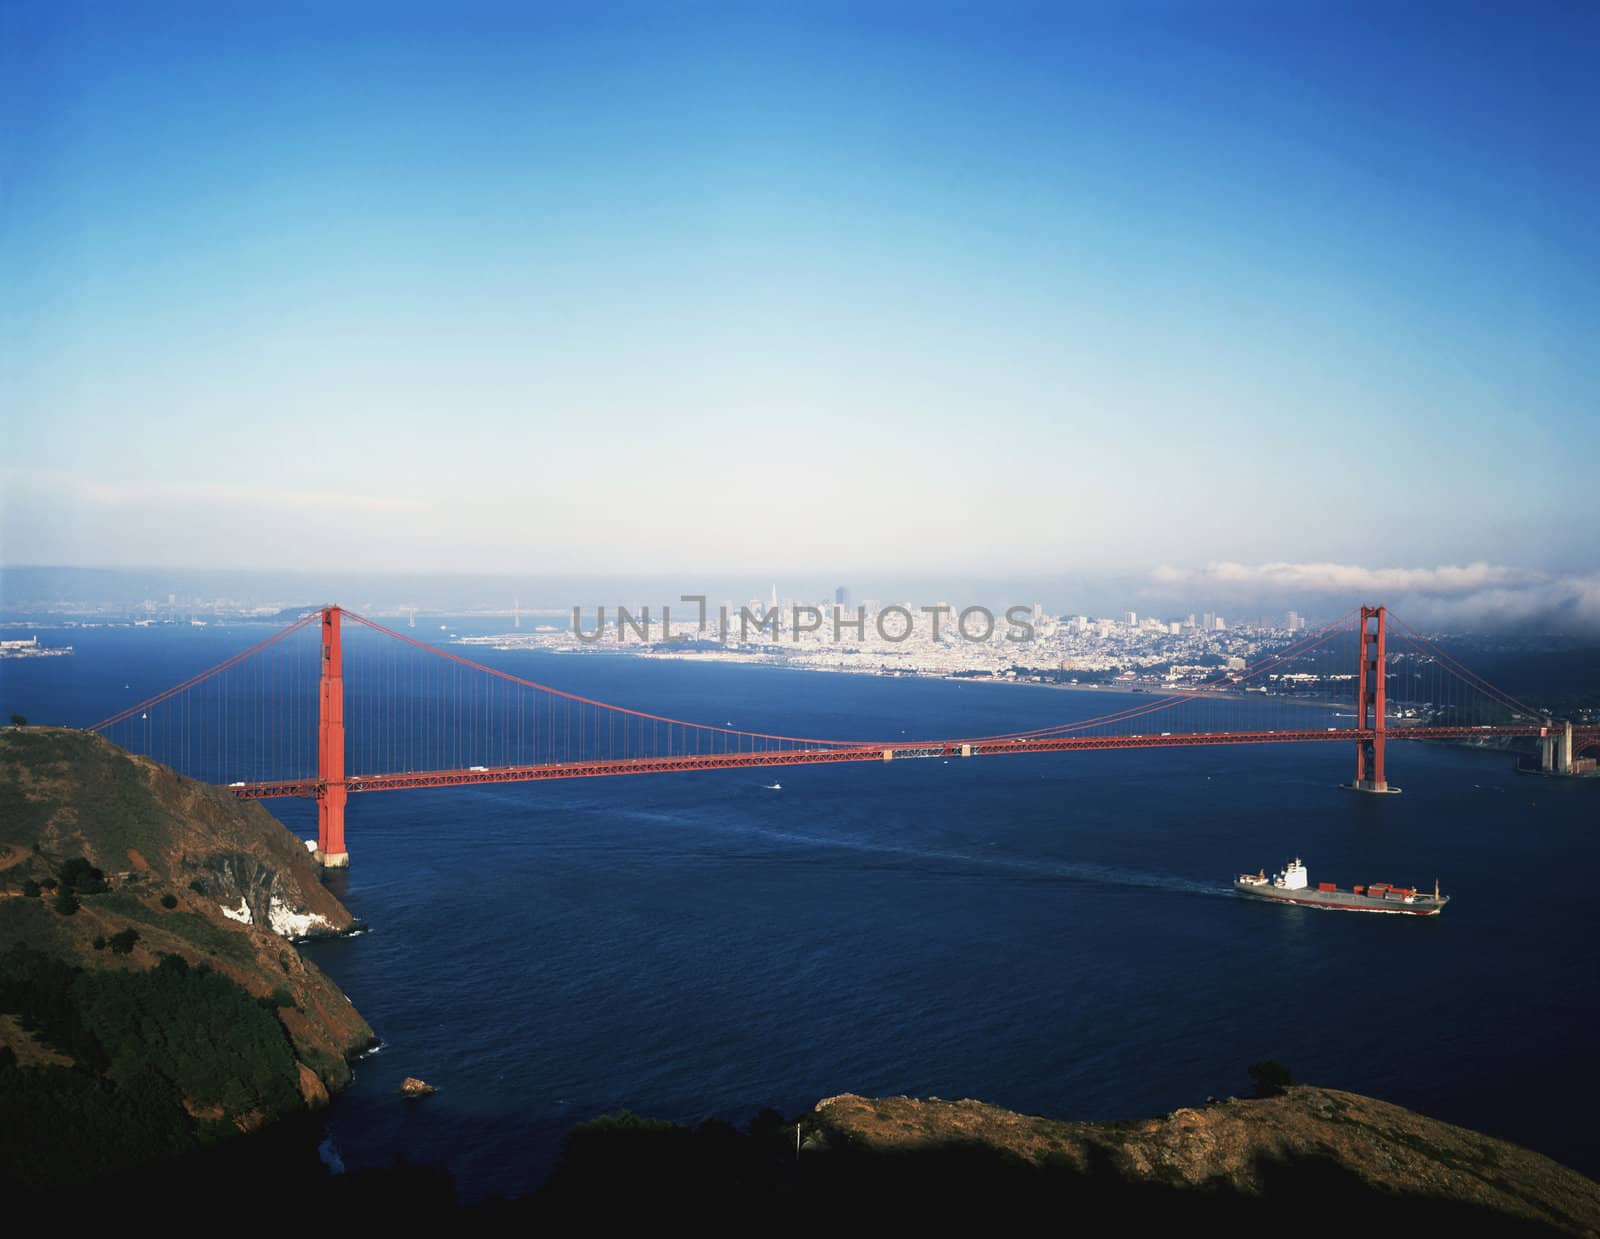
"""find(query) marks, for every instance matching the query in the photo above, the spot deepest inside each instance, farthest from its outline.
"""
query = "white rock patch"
(240, 914)
(288, 923)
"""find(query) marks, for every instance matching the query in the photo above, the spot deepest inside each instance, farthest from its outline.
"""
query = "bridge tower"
(1371, 703)
(331, 792)
(1555, 748)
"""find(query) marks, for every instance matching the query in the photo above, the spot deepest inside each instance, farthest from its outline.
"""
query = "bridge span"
(422, 716)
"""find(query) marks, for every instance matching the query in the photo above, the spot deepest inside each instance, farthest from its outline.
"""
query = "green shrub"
(195, 1027)
(31, 889)
(112, 1128)
(169, 901)
(142, 1042)
(37, 988)
(197, 886)
(122, 943)
(66, 902)
(100, 942)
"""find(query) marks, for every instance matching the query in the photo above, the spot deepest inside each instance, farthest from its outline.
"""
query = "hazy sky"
(767, 289)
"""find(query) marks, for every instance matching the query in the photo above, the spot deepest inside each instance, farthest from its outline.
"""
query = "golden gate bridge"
(323, 710)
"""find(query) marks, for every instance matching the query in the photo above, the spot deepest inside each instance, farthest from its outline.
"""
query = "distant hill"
(147, 985)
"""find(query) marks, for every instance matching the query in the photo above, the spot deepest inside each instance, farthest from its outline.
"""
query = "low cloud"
(1346, 578)
(1477, 595)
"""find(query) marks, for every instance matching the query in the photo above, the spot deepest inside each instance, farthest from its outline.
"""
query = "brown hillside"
(155, 834)
(1238, 1149)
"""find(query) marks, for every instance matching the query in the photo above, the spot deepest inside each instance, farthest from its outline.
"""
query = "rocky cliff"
(180, 869)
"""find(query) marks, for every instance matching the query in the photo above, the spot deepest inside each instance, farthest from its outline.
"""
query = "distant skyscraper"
(774, 597)
(841, 597)
(1132, 618)
(1221, 623)
(1208, 620)
(1294, 621)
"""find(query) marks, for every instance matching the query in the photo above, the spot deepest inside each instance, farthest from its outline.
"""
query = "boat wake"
(1025, 867)
(1106, 875)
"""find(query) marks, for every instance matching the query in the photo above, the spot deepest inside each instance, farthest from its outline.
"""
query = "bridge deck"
(862, 753)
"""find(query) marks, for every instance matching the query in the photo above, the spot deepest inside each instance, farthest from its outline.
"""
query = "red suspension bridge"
(276, 719)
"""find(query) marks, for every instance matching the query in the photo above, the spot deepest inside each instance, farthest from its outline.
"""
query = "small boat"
(773, 787)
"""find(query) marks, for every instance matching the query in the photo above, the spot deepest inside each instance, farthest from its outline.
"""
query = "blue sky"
(765, 289)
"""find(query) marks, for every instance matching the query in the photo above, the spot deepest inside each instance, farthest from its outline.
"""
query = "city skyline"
(1476, 599)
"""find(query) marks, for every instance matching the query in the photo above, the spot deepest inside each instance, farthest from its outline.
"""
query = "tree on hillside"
(1271, 1077)
(82, 878)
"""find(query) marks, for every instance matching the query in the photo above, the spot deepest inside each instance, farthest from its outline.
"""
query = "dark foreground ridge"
(151, 1003)
(1328, 1160)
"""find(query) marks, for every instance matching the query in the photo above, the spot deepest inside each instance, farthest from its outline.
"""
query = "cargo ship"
(1293, 885)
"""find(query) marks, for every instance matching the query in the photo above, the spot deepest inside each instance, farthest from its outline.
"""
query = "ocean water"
(1055, 933)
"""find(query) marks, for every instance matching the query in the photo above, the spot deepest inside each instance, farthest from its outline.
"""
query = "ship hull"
(1344, 901)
